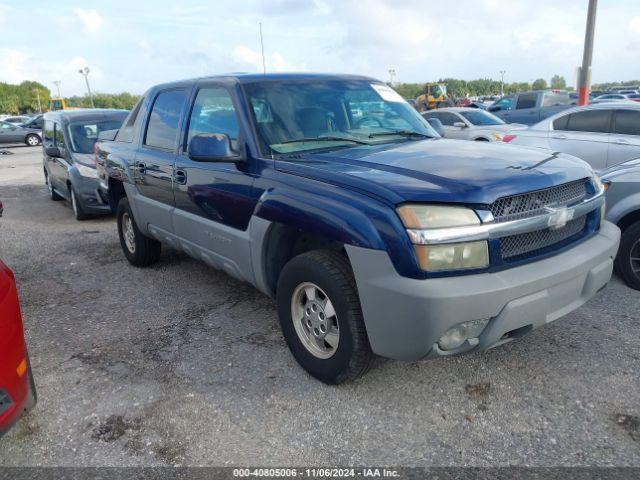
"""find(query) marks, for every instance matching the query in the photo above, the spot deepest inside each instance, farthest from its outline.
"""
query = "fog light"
(456, 336)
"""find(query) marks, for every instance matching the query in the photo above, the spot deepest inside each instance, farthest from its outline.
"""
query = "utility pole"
(57, 84)
(584, 78)
(264, 63)
(392, 74)
(85, 72)
(38, 97)
(502, 72)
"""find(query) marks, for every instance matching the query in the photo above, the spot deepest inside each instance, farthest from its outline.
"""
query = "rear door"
(584, 134)
(448, 119)
(214, 200)
(625, 136)
(525, 110)
(155, 160)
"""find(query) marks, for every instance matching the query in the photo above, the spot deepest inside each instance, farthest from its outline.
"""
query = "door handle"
(559, 137)
(180, 177)
(142, 168)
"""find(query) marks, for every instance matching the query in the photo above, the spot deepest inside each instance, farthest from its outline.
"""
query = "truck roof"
(81, 114)
(259, 77)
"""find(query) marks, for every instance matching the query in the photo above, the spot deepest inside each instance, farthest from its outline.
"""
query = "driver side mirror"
(213, 147)
(494, 108)
(460, 124)
(53, 152)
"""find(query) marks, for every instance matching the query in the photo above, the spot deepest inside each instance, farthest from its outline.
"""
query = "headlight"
(87, 172)
(436, 216)
(454, 256)
(597, 183)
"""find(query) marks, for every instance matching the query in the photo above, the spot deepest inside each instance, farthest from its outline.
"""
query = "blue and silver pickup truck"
(374, 236)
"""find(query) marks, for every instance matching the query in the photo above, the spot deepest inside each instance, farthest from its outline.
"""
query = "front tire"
(321, 318)
(140, 250)
(52, 193)
(628, 258)
(76, 206)
(32, 140)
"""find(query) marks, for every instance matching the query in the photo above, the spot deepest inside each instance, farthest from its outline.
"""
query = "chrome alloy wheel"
(315, 320)
(128, 233)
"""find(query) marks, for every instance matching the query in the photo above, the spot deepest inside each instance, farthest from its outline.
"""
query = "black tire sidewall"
(79, 214)
(303, 269)
(124, 207)
(629, 236)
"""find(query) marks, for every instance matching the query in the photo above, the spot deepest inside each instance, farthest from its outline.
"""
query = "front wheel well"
(283, 243)
(116, 193)
(629, 219)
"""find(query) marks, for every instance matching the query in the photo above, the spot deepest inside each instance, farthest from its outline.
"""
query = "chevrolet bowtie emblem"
(559, 217)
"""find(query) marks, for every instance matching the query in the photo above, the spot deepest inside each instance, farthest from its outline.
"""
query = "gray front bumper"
(405, 317)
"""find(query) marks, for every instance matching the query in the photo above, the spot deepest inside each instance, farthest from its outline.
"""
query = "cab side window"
(47, 134)
(448, 119)
(213, 112)
(527, 100)
(58, 136)
(164, 120)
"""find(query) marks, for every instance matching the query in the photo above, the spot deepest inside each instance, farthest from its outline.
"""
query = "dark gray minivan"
(68, 138)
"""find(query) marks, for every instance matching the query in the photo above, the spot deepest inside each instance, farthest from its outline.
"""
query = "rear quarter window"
(164, 121)
(627, 122)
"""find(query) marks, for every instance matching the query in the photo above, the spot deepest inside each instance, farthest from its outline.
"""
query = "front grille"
(533, 203)
(530, 243)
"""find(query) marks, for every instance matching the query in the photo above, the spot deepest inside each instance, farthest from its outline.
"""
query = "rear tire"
(628, 258)
(32, 140)
(324, 329)
(140, 250)
(32, 396)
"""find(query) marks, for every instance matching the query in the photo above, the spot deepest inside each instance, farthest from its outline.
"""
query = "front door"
(10, 133)
(214, 200)
(155, 161)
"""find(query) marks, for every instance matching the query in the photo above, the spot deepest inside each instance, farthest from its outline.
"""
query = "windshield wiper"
(328, 138)
(402, 133)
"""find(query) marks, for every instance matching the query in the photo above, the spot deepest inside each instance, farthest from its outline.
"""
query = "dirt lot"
(179, 364)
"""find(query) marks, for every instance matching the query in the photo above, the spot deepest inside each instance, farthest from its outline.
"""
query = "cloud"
(244, 56)
(13, 63)
(90, 19)
(633, 31)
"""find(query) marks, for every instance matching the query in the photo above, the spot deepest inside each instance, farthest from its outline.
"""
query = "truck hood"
(439, 170)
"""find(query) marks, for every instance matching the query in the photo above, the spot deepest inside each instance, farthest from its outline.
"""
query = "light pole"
(38, 97)
(85, 72)
(392, 74)
(502, 72)
(57, 84)
(585, 72)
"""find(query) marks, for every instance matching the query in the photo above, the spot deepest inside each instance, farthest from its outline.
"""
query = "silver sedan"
(604, 134)
(471, 124)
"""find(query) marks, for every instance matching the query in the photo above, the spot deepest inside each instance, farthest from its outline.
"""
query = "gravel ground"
(179, 364)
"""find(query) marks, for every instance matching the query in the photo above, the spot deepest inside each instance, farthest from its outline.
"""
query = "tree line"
(33, 97)
(483, 87)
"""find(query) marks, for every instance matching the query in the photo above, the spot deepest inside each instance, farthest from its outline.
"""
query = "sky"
(132, 45)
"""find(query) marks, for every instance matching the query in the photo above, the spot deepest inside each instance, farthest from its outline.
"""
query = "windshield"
(295, 116)
(84, 134)
(480, 117)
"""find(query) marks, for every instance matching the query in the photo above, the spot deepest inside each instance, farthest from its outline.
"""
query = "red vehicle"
(17, 389)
